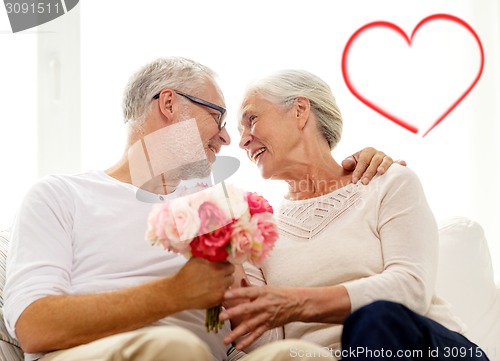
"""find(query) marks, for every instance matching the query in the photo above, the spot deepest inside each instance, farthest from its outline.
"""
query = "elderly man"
(82, 282)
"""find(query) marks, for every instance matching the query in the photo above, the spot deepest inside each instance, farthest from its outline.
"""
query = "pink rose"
(159, 219)
(241, 242)
(211, 218)
(214, 235)
(257, 204)
(265, 236)
(231, 201)
(186, 218)
(213, 245)
(183, 226)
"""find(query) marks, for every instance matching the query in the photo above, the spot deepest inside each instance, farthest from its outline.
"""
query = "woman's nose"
(245, 140)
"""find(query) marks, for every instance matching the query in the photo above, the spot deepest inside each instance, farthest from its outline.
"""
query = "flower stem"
(212, 322)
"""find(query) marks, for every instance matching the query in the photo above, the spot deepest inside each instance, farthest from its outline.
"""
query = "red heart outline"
(408, 126)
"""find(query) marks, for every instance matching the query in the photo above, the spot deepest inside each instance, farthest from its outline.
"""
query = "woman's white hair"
(174, 72)
(285, 86)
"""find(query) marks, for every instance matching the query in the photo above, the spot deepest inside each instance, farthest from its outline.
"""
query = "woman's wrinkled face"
(267, 134)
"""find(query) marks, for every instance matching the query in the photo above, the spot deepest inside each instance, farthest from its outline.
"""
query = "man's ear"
(166, 102)
(302, 109)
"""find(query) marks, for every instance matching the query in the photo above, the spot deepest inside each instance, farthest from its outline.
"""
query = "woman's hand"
(233, 302)
(265, 308)
(368, 162)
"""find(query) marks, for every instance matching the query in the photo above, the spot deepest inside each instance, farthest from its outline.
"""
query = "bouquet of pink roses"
(220, 223)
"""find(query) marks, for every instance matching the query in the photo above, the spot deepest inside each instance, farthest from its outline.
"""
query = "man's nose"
(224, 137)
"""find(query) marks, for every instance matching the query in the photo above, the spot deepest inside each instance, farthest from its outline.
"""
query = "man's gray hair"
(286, 85)
(174, 72)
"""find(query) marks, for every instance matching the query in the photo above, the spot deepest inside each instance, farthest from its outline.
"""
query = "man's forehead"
(214, 91)
(210, 92)
(220, 95)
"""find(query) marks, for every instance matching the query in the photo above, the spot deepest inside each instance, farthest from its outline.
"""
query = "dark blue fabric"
(386, 330)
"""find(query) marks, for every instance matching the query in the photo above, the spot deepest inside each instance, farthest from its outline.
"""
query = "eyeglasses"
(221, 122)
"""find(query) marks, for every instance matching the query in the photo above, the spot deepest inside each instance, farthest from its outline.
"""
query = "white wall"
(18, 109)
(457, 161)
(40, 106)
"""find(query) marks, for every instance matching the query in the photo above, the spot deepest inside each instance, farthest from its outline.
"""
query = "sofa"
(465, 279)
(9, 348)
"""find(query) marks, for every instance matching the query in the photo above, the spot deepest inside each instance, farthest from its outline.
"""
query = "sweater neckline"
(342, 191)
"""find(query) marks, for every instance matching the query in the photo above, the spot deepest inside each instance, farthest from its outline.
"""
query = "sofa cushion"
(466, 280)
(4, 245)
(9, 347)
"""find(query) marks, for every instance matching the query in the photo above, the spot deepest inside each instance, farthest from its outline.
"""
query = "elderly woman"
(356, 264)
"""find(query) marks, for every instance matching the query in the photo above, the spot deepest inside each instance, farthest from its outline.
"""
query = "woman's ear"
(302, 109)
